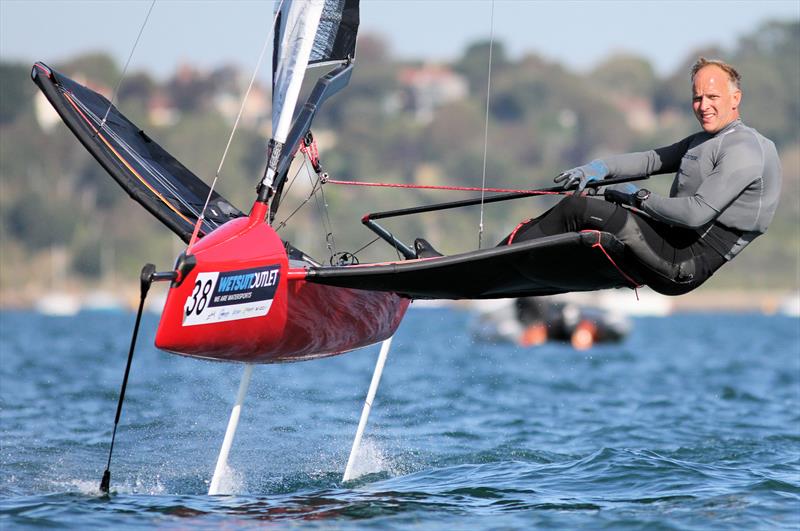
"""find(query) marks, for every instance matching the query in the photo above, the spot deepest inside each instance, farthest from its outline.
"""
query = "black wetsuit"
(725, 193)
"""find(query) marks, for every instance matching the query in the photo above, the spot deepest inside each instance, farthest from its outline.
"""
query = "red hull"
(240, 302)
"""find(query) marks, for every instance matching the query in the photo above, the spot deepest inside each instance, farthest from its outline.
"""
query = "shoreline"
(127, 297)
(765, 301)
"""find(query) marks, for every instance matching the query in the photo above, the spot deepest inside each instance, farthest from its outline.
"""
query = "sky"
(578, 34)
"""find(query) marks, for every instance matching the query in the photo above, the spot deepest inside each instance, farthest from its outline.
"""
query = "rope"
(599, 244)
(354, 253)
(486, 123)
(451, 188)
(303, 203)
(235, 124)
(322, 207)
(516, 230)
(125, 68)
(249, 88)
(330, 239)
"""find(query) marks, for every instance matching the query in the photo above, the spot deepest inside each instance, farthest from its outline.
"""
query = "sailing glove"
(613, 195)
(626, 194)
(582, 175)
(625, 188)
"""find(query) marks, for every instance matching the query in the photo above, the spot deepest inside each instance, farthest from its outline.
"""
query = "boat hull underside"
(320, 321)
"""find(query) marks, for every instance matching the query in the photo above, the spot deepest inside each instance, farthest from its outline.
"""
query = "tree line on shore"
(398, 121)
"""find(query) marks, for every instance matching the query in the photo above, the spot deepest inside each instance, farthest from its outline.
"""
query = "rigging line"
(288, 188)
(437, 187)
(301, 205)
(330, 239)
(282, 224)
(128, 62)
(486, 123)
(135, 156)
(130, 168)
(151, 170)
(332, 242)
(250, 86)
(241, 109)
(113, 135)
(365, 246)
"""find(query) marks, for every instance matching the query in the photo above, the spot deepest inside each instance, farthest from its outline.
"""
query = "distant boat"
(532, 321)
(55, 301)
(645, 303)
(790, 304)
(156, 303)
(58, 304)
(102, 301)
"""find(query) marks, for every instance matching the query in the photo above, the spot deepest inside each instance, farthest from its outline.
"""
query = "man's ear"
(737, 99)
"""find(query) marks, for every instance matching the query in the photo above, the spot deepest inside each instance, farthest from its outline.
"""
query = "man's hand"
(582, 175)
(626, 194)
(618, 196)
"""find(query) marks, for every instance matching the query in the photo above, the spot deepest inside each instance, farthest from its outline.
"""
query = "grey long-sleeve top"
(732, 177)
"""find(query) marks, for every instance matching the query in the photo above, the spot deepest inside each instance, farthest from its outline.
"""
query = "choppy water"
(692, 423)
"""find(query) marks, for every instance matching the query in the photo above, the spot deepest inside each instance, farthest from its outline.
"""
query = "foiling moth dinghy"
(239, 293)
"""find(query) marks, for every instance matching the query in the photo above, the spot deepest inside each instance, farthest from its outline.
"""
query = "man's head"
(716, 94)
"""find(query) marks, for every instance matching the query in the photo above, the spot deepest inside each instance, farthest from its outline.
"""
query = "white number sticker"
(231, 295)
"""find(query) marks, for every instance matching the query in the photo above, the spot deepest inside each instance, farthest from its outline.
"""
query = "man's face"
(714, 100)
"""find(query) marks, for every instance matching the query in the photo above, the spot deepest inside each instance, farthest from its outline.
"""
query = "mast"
(308, 33)
(294, 38)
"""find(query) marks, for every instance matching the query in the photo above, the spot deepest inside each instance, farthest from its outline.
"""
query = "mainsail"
(308, 33)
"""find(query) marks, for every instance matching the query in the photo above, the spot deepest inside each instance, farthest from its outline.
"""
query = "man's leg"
(571, 214)
(672, 260)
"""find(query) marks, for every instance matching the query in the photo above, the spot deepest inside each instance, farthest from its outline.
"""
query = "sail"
(308, 33)
(152, 177)
(335, 41)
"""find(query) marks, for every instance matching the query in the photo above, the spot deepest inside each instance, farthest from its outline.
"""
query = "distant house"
(186, 74)
(221, 90)
(428, 87)
(46, 115)
(160, 110)
(638, 112)
(257, 112)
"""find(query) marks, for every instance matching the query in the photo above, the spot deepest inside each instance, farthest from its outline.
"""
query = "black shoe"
(425, 249)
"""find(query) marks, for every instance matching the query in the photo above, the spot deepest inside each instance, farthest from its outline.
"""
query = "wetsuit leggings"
(671, 260)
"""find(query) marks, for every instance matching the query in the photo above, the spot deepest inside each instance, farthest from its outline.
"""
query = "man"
(724, 194)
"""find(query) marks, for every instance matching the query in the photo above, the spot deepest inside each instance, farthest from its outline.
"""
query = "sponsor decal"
(231, 295)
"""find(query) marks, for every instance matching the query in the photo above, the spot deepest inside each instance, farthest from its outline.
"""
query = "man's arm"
(661, 160)
(642, 164)
(738, 165)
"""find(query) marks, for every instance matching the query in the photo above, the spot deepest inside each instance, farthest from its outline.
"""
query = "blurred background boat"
(58, 304)
(532, 321)
(790, 304)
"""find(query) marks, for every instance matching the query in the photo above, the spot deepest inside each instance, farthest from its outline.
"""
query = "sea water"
(692, 422)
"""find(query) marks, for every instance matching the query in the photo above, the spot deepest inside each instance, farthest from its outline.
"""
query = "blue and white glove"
(582, 175)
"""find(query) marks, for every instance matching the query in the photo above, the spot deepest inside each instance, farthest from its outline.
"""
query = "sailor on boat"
(724, 194)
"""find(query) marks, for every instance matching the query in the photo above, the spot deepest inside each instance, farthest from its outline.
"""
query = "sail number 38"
(218, 296)
(197, 302)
